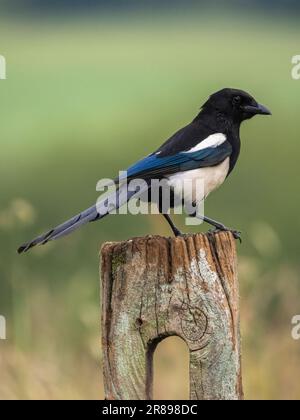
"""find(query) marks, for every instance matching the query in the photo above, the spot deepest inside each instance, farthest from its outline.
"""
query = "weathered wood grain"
(155, 287)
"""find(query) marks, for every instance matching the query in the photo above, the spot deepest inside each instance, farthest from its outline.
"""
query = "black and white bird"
(207, 149)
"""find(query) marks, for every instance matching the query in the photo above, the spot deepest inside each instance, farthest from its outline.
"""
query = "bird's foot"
(236, 234)
(177, 232)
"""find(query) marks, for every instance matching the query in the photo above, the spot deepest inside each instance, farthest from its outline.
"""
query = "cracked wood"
(155, 287)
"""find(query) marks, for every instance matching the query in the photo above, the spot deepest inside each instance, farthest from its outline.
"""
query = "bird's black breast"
(234, 140)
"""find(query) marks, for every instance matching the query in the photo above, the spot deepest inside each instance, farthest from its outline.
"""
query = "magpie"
(207, 148)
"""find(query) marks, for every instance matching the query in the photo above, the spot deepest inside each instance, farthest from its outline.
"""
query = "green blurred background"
(89, 90)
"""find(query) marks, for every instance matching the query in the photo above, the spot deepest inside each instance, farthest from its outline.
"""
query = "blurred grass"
(86, 98)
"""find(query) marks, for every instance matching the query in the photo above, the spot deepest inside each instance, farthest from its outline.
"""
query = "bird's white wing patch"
(213, 140)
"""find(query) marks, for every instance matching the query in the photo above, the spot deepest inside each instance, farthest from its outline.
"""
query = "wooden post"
(155, 287)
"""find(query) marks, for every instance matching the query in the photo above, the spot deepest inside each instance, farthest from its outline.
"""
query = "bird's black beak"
(257, 109)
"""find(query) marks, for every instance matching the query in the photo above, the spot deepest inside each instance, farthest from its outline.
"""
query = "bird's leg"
(220, 227)
(173, 227)
(217, 225)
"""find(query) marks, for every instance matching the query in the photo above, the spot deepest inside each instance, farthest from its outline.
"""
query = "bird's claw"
(236, 234)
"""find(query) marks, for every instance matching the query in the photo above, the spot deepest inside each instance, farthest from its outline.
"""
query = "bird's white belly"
(212, 177)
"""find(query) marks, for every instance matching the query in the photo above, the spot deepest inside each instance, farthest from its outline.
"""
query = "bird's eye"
(236, 100)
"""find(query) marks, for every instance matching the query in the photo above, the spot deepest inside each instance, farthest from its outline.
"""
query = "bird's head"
(235, 104)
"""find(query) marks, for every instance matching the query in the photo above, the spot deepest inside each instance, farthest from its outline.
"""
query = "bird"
(206, 149)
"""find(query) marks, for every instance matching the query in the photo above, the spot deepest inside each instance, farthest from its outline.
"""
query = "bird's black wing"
(184, 139)
(155, 166)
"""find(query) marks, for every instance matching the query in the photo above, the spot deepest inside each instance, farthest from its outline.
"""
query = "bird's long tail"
(91, 214)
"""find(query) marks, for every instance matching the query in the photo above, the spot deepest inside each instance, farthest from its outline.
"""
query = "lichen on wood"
(155, 287)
